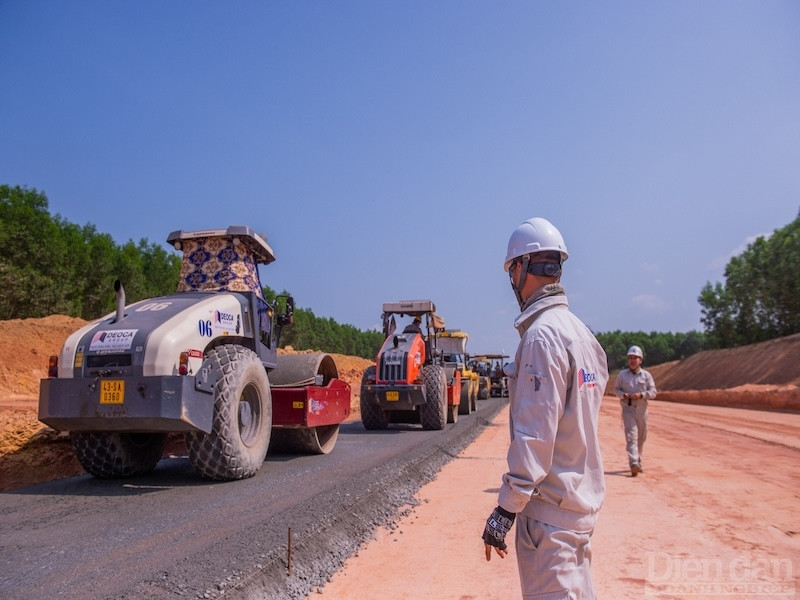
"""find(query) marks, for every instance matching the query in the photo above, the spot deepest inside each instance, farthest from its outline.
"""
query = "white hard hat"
(535, 235)
(635, 351)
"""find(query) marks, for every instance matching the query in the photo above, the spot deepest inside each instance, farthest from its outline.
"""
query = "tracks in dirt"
(737, 473)
(719, 492)
(771, 427)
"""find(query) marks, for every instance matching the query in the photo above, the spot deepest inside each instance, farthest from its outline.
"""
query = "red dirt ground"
(716, 514)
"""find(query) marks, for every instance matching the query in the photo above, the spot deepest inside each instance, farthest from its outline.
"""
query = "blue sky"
(389, 149)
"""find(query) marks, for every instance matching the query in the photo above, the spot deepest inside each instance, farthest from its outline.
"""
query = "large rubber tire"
(474, 395)
(465, 404)
(372, 417)
(452, 414)
(310, 440)
(433, 414)
(240, 433)
(109, 454)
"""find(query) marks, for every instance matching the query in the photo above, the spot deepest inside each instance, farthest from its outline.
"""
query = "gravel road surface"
(173, 535)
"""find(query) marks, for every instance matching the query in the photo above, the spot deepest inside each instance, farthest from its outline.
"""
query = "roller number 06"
(205, 328)
(153, 306)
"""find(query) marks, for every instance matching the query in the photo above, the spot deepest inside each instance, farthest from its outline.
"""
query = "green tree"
(760, 299)
(688, 344)
(658, 347)
(48, 265)
(161, 269)
(309, 332)
(29, 257)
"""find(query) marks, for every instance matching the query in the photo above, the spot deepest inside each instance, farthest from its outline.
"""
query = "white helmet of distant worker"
(535, 235)
(635, 351)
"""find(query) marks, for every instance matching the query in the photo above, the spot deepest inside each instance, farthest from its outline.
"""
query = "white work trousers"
(634, 418)
(554, 563)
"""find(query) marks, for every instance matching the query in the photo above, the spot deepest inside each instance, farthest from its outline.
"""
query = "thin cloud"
(650, 303)
(649, 267)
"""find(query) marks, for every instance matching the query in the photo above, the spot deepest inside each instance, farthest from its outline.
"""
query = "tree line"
(51, 266)
(310, 332)
(658, 347)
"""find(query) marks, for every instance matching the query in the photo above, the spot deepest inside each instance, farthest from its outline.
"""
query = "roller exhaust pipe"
(120, 293)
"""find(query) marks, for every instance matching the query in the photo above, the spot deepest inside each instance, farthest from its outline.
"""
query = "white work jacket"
(635, 382)
(555, 469)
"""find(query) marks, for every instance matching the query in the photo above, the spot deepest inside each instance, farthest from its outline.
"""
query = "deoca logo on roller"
(224, 319)
(116, 339)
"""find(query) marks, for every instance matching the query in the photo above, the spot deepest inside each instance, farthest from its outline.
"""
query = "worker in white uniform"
(554, 486)
(635, 387)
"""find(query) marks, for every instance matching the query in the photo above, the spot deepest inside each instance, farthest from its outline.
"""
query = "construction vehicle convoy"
(202, 362)
(409, 382)
(480, 365)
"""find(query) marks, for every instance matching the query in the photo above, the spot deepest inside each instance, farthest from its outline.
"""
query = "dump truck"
(409, 382)
(203, 363)
(453, 345)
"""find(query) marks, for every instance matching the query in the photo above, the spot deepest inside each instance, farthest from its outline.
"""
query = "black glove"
(497, 526)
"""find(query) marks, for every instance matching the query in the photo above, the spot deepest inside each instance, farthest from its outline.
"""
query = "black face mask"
(539, 269)
(544, 269)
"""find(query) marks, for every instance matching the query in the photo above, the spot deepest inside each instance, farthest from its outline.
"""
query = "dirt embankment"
(763, 375)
